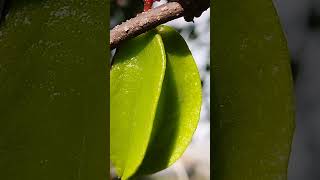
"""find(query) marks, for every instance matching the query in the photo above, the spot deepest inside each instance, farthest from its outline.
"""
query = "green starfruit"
(53, 84)
(155, 102)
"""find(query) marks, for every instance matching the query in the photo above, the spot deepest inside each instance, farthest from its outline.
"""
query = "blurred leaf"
(252, 93)
(53, 100)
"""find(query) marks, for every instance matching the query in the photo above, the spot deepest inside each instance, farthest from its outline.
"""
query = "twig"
(144, 22)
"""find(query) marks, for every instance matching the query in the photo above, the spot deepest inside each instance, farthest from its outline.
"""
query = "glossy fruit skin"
(155, 102)
(53, 107)
(252, 92)
(135, 85)
(179, 106)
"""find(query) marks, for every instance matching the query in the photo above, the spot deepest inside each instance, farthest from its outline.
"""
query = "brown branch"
(144, 22)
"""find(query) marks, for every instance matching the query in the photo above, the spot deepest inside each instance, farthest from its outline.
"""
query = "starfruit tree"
(155, 95)
(54, 94)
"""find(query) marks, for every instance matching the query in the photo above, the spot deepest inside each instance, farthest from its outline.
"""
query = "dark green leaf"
(53, 100)
(252, 93)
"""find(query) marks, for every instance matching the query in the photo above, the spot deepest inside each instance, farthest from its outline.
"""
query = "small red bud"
(148, 4)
